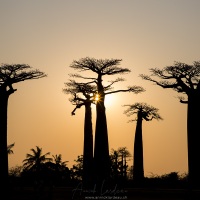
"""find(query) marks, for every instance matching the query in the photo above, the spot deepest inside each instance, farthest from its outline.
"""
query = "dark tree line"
(43, 172)
(42, 168)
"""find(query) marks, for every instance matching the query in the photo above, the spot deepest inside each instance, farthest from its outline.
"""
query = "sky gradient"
(48, 35)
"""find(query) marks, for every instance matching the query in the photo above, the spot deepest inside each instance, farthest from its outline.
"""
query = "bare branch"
(79, 76)
(108, 87)
(77, 106)
(134, 89)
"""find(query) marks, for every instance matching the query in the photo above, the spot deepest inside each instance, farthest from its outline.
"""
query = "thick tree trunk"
(3, 138)
(88, 148)
(193, 134)
(138, 166)
(101, 150)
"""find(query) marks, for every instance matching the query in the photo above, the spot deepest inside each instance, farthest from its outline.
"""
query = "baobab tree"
(102, 68)
(142, 112)
(9, 75)
(83, 94)
(184, 79)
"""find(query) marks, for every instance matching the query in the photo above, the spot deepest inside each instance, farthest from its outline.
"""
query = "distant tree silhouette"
(15, 171)
(83, 94)
(114, 157)
(58, 169)
(102, 68)
(77, 168)
(57, 159)
(119, 163)
(124, 154)
(34, 162)
(9, 75)
(143, 112)
(184, 78)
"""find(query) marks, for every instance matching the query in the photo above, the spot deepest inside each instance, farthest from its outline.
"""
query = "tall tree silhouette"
(143, 112)
(184, 78)
(83, 94)
(9, 75)
(102, 68)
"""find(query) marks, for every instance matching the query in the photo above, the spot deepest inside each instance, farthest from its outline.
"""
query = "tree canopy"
(148, 112)
(180, 77)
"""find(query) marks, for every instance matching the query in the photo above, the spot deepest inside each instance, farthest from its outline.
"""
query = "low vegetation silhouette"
(39, 167)
(46, 176)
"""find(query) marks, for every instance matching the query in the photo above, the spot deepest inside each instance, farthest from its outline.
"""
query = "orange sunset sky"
(48, 35)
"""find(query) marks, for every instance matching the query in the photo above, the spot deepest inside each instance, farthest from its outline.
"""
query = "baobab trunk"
(193, 134)
(3, 138)
(138, 167)
(88, 148)
(101, 149)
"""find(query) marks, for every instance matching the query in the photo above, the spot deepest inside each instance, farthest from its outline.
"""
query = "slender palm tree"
(36, 160)
(147, 113)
